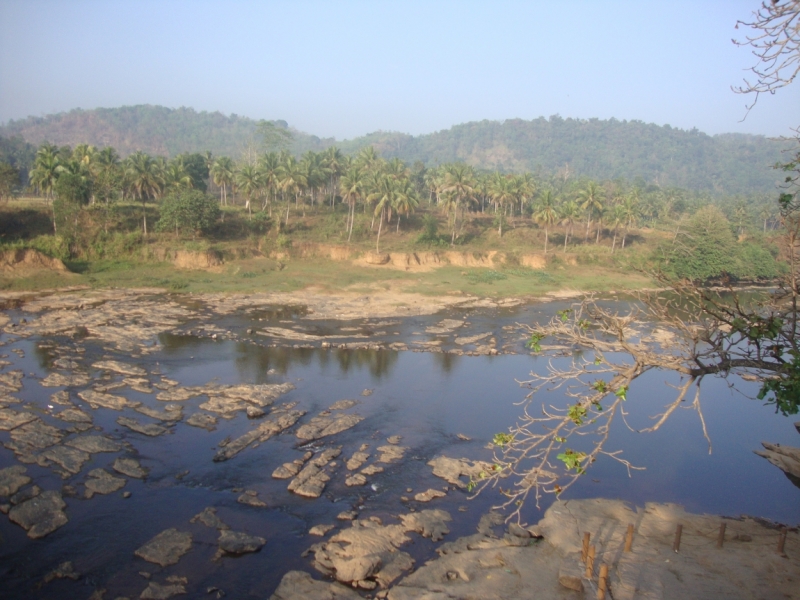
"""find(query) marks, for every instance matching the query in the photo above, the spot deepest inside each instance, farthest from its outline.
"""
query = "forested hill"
(600, 149)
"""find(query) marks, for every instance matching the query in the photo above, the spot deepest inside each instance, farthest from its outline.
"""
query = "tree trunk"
(588, 224)
(545, 241)
(380, 226)
(144, 216)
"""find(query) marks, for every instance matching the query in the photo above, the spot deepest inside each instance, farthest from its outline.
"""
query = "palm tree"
(176, 179)
(269, 165)
(222, 174)
(248, 180)
(292, 180)
(144, 180)
(383, 196)
(458, 186)
(570, 213)
(545, 214)
(45, 169)
(351, 187)
(502, 194)
(335, 163)
(591, 201)
(630, 213)
(617, 218)
(405, 199)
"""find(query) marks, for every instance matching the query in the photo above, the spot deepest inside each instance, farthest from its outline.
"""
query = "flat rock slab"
(103, 400)
(148, 429)
(12, 479)
(429, 495)
(297, 585)
(119, 367)
(94, 444)
(343, 404)
(68, 458)
(389, 454)
(41, 515)
(102, 482)
(277, 421)
(11, 419)
(321, 530)
(250, 498)
(209, 518)
(236, 543)
(156, 591)
(428, 523)
(203, 421)
(322, 426)
(786, 458)
(310, 481)
(74, 415)
(75, 379)
(358, 459)
(354, 480)
(166, 548)
(130, 467)
(452, 469)
(171, 412)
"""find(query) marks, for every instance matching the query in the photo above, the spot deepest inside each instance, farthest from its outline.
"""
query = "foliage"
(9, 180)
(190, 210)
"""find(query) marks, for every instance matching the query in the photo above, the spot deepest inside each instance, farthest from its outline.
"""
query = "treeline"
(598, 149)
(194, 190)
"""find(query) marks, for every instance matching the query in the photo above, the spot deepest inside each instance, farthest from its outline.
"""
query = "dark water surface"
(427, 398)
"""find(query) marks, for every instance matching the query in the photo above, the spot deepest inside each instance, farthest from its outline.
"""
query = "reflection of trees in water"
(445, 361)
(171, 343)
(254, 361)
(379, 362)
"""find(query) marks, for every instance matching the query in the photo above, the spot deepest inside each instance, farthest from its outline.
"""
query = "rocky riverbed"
(137, 463)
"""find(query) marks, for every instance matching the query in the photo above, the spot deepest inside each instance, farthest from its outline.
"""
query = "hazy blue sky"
(347, 68)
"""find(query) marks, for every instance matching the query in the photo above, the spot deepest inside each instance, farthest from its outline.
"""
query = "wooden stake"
(676, 545)
(590, 562)
(585, 549)
(782, 542)
(629, 538)
(602, 582)
(721, 536)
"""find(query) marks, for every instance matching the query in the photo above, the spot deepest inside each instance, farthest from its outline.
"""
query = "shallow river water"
(427, 398)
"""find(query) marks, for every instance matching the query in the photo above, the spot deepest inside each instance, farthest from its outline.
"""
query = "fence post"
(585, 549)
(676, 545)
(629, 538)
(721, 536)
(602, 582)
(590, 562)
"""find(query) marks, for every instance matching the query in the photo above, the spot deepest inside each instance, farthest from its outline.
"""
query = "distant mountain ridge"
(600, 149)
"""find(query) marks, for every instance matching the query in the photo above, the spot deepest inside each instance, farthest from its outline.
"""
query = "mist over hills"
(595, 148)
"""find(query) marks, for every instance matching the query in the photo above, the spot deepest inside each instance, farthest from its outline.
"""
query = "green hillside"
(599, 149)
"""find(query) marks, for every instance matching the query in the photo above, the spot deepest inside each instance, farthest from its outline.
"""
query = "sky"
(346, 68)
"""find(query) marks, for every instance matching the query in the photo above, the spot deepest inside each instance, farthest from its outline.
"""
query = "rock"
(451, 469)
(11, 419)
(250, 498)
(290, 469)
(41, 515)
(253, 412)
(277, 421)
(155, 591)
(357, 479)
(118, 367)
(63, 571)
(12, 479)
(320, 530)
(94, 444)
(209, 518)
(311, 480)
(36, 435)
(571, 577)
(391, 453)
(347, 515)
(68, 458)
(177, 394)
(102, 482)
(428, 523)
(364, 551)
(25, 494)
(103, 400)
(343, 404)
(462, 341)
(74, 415)
(518, 531)
(75, 379)
(236, 543)
(171, 412)
(130, 467)
(203, 421)
(298, 585)
(358, 459)
(394, 439)
(367, 392)
(322, 426)
(138, 384)
(786, 458)
(166, 548)
(372, 470)
(148, 429)
(463, 437)
(429, 495)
